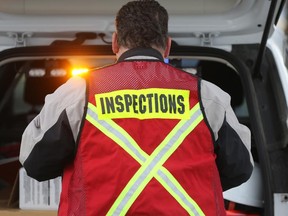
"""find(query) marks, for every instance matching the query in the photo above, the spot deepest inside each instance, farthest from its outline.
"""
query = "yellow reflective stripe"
(175, 185)
(166, 178)
(112, 136)
(163, 169)
(178, 141)
(129, 189)
(176, 195)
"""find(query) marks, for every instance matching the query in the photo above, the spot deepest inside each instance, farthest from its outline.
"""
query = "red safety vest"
(144, 148)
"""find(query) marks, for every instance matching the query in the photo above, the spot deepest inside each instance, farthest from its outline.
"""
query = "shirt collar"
(141, 54)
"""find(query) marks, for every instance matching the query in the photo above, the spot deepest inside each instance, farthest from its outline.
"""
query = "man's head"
(142, 23)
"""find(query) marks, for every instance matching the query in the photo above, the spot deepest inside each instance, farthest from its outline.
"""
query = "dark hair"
(142, 23)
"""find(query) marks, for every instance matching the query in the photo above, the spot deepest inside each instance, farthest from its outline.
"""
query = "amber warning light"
(79, 71)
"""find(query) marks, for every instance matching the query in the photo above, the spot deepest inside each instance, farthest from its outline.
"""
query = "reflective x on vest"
(151, 166)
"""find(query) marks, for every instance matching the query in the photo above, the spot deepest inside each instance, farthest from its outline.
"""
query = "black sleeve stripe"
(233, 158)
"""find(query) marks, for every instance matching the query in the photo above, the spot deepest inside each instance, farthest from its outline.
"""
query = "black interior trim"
(265, 36)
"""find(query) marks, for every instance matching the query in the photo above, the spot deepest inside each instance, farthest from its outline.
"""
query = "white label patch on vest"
(144, 104)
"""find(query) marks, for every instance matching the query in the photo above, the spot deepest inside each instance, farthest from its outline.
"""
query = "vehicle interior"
(25, 81)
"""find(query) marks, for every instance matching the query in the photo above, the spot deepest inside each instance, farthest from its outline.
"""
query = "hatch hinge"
(207, 38)
(20, 38)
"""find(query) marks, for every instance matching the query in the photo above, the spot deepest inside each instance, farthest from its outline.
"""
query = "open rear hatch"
(33, 29)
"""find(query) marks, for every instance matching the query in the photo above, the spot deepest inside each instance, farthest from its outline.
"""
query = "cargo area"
(32, 80)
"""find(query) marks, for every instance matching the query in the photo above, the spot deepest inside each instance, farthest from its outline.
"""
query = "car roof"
(193, 22)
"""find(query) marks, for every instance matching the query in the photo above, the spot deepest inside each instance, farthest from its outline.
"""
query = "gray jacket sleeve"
(232, 139)
(55, 128)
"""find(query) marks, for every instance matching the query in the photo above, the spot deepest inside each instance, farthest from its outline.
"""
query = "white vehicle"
(232, 43)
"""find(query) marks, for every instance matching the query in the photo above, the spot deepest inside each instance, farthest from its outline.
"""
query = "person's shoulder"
(76, 81)
(210, 91)
(73, 88)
